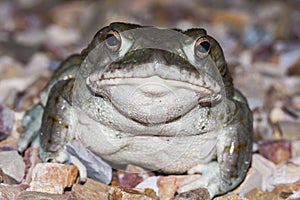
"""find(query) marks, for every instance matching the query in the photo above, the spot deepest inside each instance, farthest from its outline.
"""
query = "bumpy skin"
(152, 102)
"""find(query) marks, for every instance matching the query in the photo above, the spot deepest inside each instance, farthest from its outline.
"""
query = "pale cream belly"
(169, 154)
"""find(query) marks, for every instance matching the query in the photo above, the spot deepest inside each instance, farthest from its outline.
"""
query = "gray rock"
(12, 165)
(96, 167)
(6, 121)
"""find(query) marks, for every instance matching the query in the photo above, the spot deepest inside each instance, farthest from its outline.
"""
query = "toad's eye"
(202, 47)
(113, 40)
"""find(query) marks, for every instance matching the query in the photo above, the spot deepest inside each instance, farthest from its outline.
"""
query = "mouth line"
(152, 79)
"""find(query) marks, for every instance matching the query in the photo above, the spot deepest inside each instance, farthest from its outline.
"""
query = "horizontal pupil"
(203, 47)
(112, 40)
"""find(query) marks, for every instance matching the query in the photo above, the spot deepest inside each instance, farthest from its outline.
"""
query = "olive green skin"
(73, 110)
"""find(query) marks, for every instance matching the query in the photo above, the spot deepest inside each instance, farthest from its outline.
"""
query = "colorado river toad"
(162, 99)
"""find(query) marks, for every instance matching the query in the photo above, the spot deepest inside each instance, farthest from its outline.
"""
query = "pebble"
(255, 93)
(96, 190)
(286, 173)
(234, 18)
(150, 182)
(31, 95)
(59, 36)
(5, 178)
(276, 151)
(197, 194)
(8, 144)
(132, 176)
(6, 121)
(258, 175)
(9, 192)
(296, 149)
(277, 115)
(289, 130)
(289, 61)
(96, 167)
(132, 194)
(15, 170)
(168, 185)
(130, 180)
(296, 102)
(286, 190)
(256, 194)
(31, 159)
(52, 177)
(231, 197)
(40, 196)
(38, 64)
(91, 189)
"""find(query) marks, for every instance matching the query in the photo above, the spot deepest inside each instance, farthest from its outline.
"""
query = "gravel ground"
(261, 42)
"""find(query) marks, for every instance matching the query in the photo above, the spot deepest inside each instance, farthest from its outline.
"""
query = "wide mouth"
(155, 100)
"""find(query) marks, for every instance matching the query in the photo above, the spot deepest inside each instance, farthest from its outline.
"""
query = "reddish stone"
(276, 151)
(52, 177)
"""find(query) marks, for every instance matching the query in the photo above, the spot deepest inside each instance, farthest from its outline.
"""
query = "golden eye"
(113, 40)
(202, 47)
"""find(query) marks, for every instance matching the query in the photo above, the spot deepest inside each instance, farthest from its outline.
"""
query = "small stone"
(46, 187)
(91, 189)
(38, 64)
(286, 173)
(6, 179)
(150, 182)
(9, 192)
(290, 61)
(12, 165)
(294, 69)
(235, 18)
(130, 180)
(285, 190)
(230, 197)
(277, 115)
(61, 36)
(261, 125)
(6, 121)
(30, 96)
(132, 194)
(8, 144)
(168, 185)
(40, 196)
(290, 130)
(96, 167)
(256, 194)
(197, 194)
(258, 176)
(296, 101)
(276, 151)
(31, 159)
(52, 177)
(296, 149)
(132, 176)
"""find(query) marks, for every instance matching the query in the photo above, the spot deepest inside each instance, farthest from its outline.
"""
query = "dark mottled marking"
(56, 99)
(71, 86)
(242, 119)
(238, 148)
(53, 119)
(66, 126)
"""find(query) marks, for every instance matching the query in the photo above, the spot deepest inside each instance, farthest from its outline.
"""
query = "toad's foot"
(210, 179)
